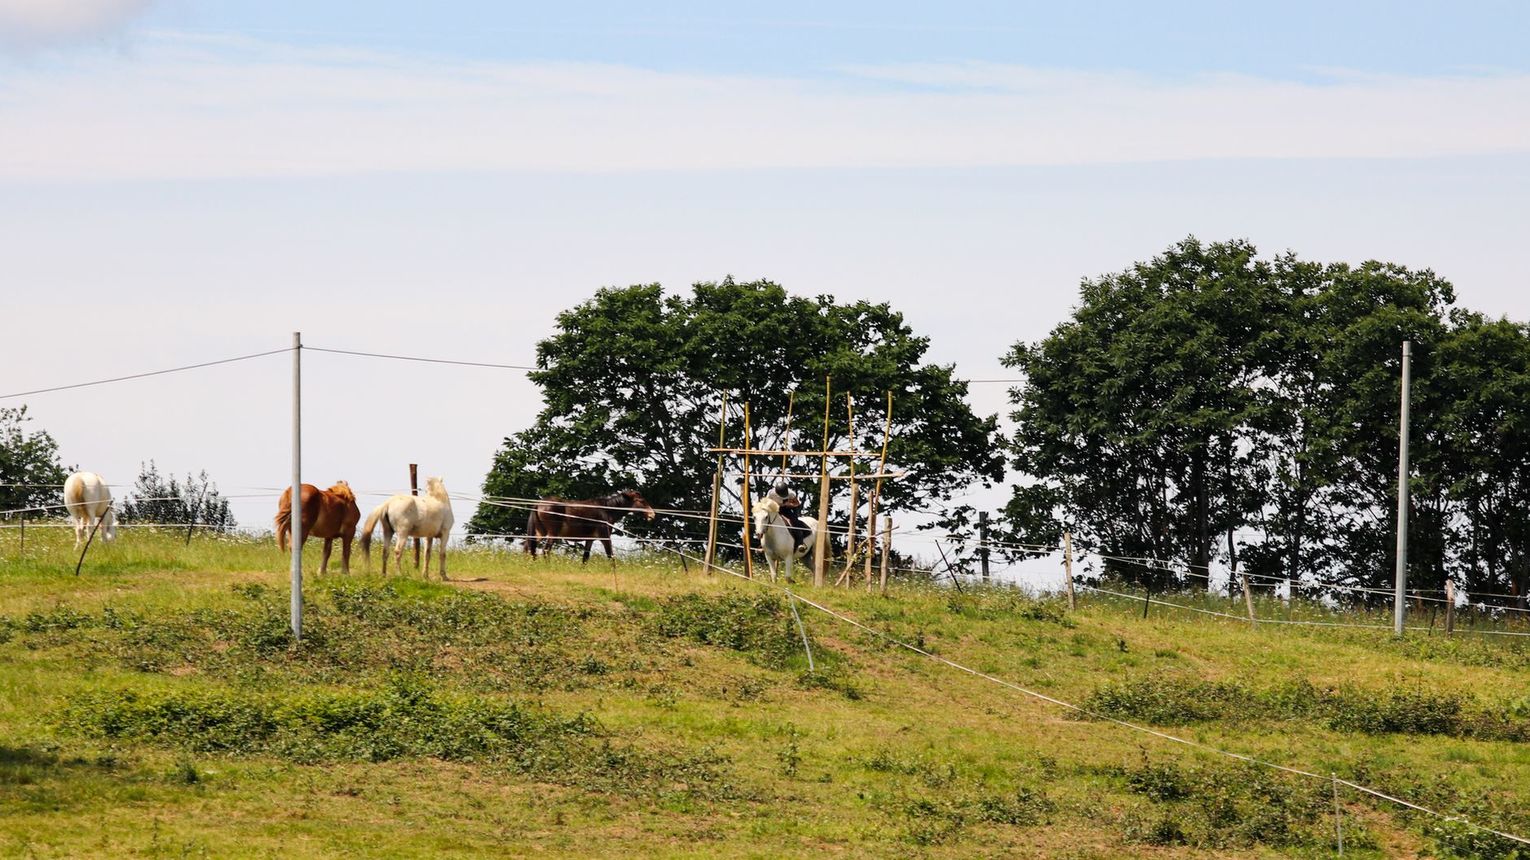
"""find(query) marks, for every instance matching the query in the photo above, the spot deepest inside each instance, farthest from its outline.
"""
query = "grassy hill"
(154, 706)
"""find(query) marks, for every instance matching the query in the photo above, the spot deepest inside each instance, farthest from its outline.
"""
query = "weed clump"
(759, 626)
(1222, 807)
(1177, 700)
(406, 719)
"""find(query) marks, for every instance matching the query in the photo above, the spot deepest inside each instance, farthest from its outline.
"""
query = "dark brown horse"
(327, 514)
(585, 520)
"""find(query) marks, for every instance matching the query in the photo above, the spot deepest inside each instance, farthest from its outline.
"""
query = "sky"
(186, 180)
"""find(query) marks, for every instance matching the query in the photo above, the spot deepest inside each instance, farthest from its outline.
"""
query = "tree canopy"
(1209, 405)
(633, 382)
(31, 474)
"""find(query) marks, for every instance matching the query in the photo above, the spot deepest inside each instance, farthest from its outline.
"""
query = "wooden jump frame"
(824, 455)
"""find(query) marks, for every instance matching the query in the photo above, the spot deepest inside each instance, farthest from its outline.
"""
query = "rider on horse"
(791, 511)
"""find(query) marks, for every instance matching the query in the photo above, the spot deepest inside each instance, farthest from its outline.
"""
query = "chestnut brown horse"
(585, 520)
(327, 514)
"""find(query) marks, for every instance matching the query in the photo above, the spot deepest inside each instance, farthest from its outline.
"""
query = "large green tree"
(633, 381)
(1207, 392)
(31, 474)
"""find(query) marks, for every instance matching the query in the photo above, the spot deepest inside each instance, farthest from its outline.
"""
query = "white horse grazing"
(776, 538)
(404, 516)
(89, 501)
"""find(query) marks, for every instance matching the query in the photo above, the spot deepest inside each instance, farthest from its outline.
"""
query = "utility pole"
(297, 485)
(1399, 603)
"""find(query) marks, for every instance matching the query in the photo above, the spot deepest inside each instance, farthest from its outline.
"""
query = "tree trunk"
(1200, 558)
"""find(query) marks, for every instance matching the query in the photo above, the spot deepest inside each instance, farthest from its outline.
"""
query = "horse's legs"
(329, 545)
(79, 532)
(788, 563)
(588, 542)
(345, 554)
(607, 542)
(399, 541)
(442, 566)
(430, 546)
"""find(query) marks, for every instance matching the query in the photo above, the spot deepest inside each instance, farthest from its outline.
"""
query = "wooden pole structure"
(722, 426)
(1068, 569)
(1248, 599)
(886, 549)
(1450, 607)
(821, 540)
(876, 492)
(855, 498)
(414, 490)
(747, 494)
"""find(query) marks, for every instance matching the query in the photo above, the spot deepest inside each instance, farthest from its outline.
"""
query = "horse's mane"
(342, 490)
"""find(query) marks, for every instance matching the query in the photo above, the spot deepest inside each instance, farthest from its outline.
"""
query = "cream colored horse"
(88, 500)
(404, 516)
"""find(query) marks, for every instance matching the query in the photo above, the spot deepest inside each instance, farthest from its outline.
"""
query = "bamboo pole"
(876, 493)
(821, 539)
(722, 426)
(786, 443)
(886, 549)
(855, 498)
(747, 494)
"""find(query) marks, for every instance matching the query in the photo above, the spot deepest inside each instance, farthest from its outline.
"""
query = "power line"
(143, 375)
(419, 358)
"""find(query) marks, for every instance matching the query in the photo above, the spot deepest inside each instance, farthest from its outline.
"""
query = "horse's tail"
(283, 527)
(378, 513)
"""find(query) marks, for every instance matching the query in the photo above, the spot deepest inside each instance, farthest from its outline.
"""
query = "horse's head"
(435, 488)
(767, 506)
(342, 490)
(109, 525)
(635, 500)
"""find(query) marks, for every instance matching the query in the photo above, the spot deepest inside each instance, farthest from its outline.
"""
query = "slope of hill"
(155, 706)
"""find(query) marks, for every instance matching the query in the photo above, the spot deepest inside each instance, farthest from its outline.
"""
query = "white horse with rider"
(784, 534)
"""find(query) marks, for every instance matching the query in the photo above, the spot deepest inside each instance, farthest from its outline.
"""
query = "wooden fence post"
(886, 548)
(821, 540)
(1450, 607)
(855, 498)
(23, 535)
(1248, 599)
(1068, 569)
(983, 543)
(414, 490)
(711, 555)
(748, 499)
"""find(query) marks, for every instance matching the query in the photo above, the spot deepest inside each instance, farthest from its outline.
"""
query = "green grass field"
(155, 706)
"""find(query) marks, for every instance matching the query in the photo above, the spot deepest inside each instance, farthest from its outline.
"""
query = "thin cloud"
(32, 24)
(202, 107)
